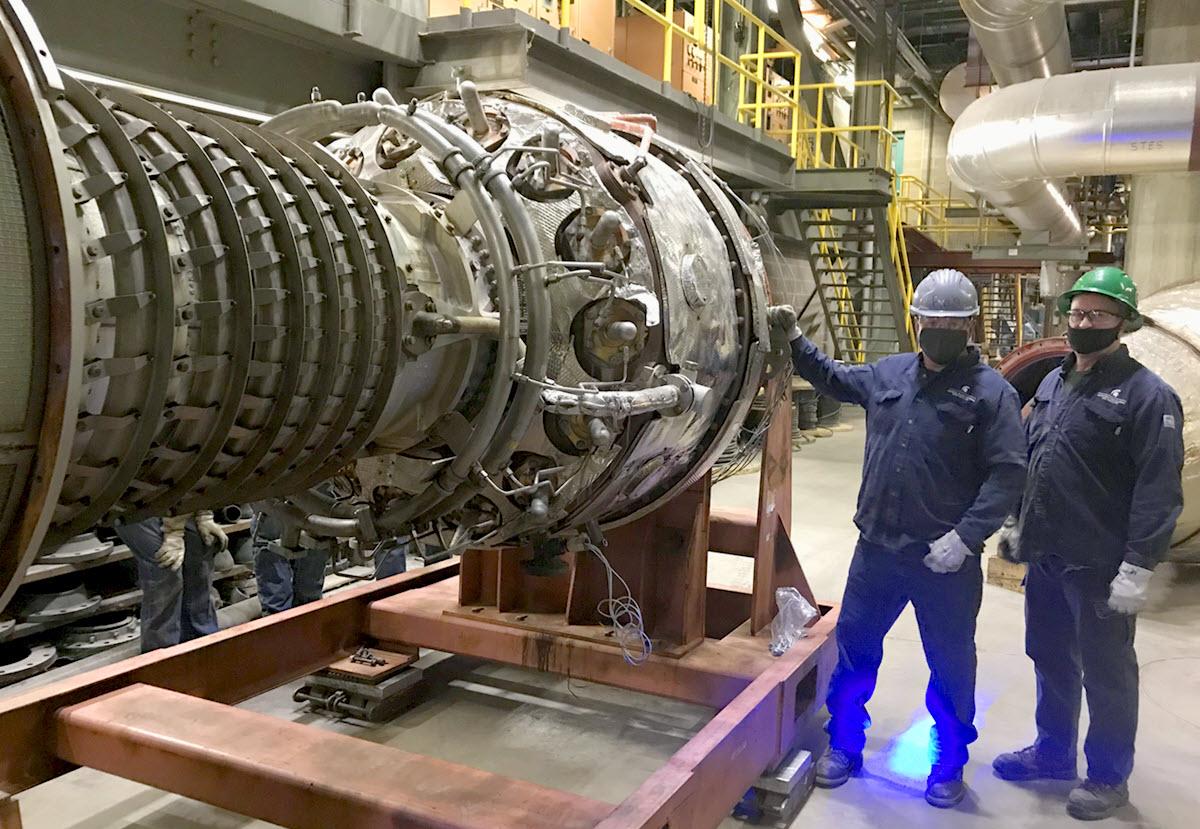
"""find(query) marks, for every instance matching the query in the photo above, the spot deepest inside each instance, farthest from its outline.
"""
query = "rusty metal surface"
(41, 445)
(228, 667)
(295, 775)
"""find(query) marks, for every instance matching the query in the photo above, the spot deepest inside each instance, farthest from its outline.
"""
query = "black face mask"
(943, 345)
(1091, 340)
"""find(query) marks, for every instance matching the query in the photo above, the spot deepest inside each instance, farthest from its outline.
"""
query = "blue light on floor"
(908, 755)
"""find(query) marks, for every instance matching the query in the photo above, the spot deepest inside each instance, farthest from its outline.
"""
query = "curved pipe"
(1008, 145)
(537, 341)
(318, 525)
(1022, 39)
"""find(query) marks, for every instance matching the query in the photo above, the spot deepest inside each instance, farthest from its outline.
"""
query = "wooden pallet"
(1006, 574)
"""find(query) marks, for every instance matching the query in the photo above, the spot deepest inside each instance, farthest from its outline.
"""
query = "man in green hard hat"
(1101, 499)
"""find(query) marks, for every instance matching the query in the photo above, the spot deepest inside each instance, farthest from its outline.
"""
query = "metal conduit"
(1022, 40)
(1112, 121)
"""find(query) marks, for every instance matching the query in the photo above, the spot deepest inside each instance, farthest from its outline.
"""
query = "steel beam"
(226, 667)
(213, 54)
(296, 775)
(505, 49)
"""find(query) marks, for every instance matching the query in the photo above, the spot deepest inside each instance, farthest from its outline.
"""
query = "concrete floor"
(603, 743)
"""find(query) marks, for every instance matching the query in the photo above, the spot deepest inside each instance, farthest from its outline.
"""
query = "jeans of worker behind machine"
(284, 582)
(393, 559)
(177, 605)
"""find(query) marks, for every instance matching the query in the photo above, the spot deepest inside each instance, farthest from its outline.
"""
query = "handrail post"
(761, 76)
(714, 63)
(669, 42)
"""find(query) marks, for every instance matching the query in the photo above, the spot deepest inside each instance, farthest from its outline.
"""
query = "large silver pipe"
(1009, 145)
(1023, 40)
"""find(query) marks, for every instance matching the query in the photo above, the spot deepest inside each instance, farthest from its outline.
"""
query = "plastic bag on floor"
(788, 625)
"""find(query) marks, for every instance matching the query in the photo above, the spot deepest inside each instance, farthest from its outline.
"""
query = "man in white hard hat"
(945, 460)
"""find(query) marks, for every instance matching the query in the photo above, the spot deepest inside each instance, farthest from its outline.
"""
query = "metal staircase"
(855, 245)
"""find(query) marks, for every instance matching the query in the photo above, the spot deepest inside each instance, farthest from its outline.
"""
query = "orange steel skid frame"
(166, 718)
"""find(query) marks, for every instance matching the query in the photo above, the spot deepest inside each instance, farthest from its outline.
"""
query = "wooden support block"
(733, 531)
(374, 665)
(1006, 574)
(725, 610)
(478, 577)
(518, 591)
(10, 812)
(432, 619)
(296, 775)
(775, 562)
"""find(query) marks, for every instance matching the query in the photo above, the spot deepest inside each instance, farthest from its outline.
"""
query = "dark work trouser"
(1077, 643)
(880, 584)
(177, 606)
(283, 582)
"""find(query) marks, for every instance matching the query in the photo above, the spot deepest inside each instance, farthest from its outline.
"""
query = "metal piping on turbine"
(477, 312)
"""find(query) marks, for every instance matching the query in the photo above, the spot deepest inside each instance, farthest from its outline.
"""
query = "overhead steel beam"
(505, 49)
(919, 76)
(383, 31)
(213, 55)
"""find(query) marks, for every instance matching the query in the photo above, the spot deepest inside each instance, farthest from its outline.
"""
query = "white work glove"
(947, 554)
(1128, 591)
(169, 555)
(1009, 545)
(210, 531)
(782, 321)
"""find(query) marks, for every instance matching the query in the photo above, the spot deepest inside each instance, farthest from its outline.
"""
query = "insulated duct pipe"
(1108, 122)
(1022, 40)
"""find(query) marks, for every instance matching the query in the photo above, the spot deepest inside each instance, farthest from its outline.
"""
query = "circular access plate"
(19, 660)
(80, 549)
(71, 601)
(96, 634)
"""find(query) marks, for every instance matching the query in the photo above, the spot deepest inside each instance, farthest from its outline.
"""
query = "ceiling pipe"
(1009, 145)
(1022, 40)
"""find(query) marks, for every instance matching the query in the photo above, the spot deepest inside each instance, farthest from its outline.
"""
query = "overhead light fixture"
(773, 6)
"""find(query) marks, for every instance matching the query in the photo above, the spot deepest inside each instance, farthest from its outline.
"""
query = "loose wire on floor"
(624, 615)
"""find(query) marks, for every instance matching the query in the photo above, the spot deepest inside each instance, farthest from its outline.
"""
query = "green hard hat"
(1109, 281)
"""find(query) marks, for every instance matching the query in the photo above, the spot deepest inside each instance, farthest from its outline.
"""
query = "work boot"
(835, 767)
(945, 787)
(1028, 764)
(1095, 801)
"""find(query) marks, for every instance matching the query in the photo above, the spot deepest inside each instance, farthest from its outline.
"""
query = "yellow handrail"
(924, 208)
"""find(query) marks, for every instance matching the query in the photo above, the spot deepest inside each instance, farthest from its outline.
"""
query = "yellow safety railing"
(900, 263)
(828, 247)
(925, 209)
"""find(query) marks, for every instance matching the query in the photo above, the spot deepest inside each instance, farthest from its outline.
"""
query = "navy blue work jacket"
(944, 449)
(1105, 466)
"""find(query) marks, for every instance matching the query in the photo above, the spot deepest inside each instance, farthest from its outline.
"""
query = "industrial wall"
(925, 137)
(1163, 246)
